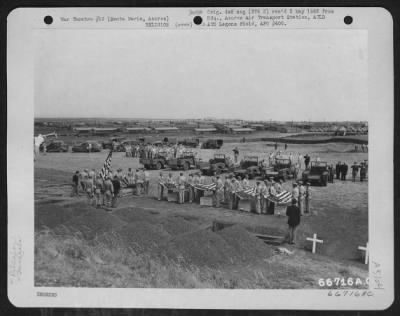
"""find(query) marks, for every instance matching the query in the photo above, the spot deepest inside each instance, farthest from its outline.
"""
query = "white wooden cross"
(366, 249)
(314, 241)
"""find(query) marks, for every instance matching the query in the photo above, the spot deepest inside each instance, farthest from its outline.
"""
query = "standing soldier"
(146, 175)
(75, 184)
(354, 171)
(99, 190)
(307, 199)
(363, 172)
(190, 187)
(345, 169)
(236, 154)
(227, 184)
(161, 184)
(245, 182)
(82, 179)
(295, 191)
(272, 194)
(263, 198)
(219, 191)
(196, 181)
(89, 189)
(228, 187)
(307, 160)
(181, 188)
(235, 188)
(117, 187)
(302, 194)
(258, 198)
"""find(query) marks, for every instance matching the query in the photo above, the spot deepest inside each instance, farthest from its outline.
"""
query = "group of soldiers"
(226, 189)
(104, 190)
(342, 169)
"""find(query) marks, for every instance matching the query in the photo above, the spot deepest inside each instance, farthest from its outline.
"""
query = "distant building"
(104, 130)
(205, 130)
(138, 130)
(166, 129)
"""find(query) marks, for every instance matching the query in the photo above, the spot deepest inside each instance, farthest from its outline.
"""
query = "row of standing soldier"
(226, 191)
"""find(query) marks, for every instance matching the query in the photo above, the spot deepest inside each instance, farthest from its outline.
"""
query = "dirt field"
(147, 243)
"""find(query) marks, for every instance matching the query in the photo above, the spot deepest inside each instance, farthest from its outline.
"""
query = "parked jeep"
(55, 146)
(85, 147)
(248, 166)
(217, 165)
(189, 143)
(317, 173)
(159, 161)
(282, 169)
(213, 144)
(186, 161)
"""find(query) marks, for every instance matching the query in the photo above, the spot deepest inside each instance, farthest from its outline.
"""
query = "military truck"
(213, 144)
(159, 161)
(217, 165)
(186, 161)
(249, 166)
(317, 173)
(282, 169)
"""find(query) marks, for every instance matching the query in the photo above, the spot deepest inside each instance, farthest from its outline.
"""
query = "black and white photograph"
(228, 157)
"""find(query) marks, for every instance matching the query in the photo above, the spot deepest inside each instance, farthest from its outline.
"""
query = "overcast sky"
(246, 74)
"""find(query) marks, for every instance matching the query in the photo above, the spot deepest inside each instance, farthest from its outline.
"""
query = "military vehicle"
(159, 161)
(217, 165)
(189, 143)
(55, 146)
(282, 169)
(186, 161)
(213, 144)
(317, 173)
(249, 166)
(84, 147)
(118, 143)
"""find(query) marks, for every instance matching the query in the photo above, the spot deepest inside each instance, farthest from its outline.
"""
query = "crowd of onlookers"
(153, 150)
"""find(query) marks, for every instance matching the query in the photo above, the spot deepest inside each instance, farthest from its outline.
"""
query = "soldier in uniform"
(338, 170)
(263, 198)
(190, 187)
(345, 169)
(146, 183)
(219, 191)
(117, 186)
(161, 184)
(89, 189)
(227, 184)
(181, 188)
(108, 191)
(363, 171)
(196, 181)
(272, 193)
(258, 197)
(354, 171)
(99, 189)
(245, 182)
(307, 199)
(235, 188)
(302, 192)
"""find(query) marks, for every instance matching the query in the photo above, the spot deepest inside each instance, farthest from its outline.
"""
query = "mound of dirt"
(92, 224)
(130, 215)
(201, 248)
(142, 236)
(248, 247)
(177, 225)
(51, 215)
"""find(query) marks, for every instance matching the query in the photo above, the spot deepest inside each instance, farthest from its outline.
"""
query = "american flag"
(281, 198)
(106, 167)
(247, 193)
(206, 187)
